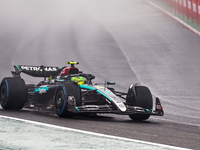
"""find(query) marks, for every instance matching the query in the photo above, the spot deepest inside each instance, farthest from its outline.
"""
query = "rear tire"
(61, 98)
(13, 93)
(143, 98)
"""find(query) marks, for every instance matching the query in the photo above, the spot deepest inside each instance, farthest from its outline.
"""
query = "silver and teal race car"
(69, 92)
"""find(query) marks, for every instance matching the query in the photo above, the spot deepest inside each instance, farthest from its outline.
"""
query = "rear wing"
(36, 71)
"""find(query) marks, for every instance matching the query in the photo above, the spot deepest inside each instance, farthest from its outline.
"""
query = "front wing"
(109, 108)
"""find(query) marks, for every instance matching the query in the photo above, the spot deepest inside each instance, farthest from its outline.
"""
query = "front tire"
(63, 92)
(13, 93)
(140, 96)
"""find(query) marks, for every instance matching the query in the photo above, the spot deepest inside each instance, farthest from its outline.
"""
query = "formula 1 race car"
(69, 92)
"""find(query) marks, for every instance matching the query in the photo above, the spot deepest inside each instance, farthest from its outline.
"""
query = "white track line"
(175, 18)
(93, 133)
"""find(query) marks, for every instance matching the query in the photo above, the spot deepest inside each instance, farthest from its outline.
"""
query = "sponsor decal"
(38, 68)
(42, 90)
(159, 107)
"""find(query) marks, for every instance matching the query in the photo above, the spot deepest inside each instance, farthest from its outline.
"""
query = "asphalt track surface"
(126, 41)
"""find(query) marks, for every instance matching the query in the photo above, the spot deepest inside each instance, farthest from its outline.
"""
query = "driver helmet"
(79, 80)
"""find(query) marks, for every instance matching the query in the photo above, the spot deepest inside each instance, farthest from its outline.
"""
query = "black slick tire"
(143, 98)
(13, 93)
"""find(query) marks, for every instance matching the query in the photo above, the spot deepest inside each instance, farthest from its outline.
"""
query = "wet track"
(126, 42)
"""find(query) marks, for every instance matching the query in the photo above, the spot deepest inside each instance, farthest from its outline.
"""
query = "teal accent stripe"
(148, 110)
(17, 67)
(61, 80)
(41, 88)
(77, 109)
(84, 86)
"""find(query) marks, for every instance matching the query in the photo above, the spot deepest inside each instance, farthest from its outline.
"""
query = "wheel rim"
(3, 93)
(59, 100)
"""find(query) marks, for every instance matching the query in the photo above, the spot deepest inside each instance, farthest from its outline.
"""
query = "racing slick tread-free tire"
(63, 92)
(13, 93)
(142, 99)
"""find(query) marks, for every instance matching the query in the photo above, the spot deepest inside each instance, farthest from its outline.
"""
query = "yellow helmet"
(79, 80)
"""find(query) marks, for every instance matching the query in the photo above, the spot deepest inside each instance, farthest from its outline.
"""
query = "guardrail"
(186, 10)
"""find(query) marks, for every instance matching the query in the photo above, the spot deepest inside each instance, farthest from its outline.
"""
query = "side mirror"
(110, 83)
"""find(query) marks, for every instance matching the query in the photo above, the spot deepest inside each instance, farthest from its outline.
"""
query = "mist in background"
(125, 41)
